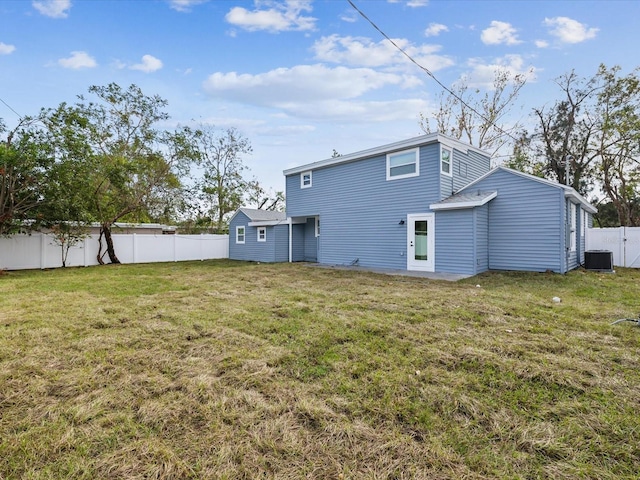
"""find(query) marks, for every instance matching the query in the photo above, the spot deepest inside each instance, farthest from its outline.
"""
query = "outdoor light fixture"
(401, 222)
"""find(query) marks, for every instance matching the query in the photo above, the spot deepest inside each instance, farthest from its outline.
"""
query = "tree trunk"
(105, 229)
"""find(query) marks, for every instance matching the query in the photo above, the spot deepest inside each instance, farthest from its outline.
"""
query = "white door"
(421, 242)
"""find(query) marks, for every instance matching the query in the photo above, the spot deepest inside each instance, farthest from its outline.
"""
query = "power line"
(9, 107)
(428, 72)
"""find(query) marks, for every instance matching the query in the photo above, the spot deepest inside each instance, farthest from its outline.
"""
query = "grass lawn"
(224, 369)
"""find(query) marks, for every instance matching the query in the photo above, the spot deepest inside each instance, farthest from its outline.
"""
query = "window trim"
(444, 148)
(262, 230)
(573, 212)
(302, 175)
(243, 234)
(415, 151)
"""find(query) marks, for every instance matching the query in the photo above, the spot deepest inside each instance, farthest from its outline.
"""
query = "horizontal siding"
(297, 239)
(526, 223)
(455, 246)
(481, 221)
(360, 211)
(310, 241)
(251, 250)
(281, 244)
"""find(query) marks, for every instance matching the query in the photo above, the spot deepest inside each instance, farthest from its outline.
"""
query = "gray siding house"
(429, 203)
(259, 235)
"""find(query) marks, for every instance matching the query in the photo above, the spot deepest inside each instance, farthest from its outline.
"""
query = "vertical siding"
(526, 224)
(455, 241)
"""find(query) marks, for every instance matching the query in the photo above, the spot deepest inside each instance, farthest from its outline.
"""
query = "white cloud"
(184, 5)
(278, 17)
(568, 30)
(289, 88)
(482, 75)
(541, 43)
(412, 3)
(435, 29)
(78, 60)
(52, 8)
(500, 33)
(364, 52)
(417, 3)
(149, 64)
(6, 49)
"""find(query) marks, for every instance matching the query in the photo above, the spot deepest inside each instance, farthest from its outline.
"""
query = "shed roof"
(256, 215)
(465, 200)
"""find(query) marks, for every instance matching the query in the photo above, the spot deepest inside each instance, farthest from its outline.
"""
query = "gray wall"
(275, 249)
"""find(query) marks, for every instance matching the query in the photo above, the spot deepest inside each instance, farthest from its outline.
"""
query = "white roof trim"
(461, 205)
(389, 148)
(569, 192)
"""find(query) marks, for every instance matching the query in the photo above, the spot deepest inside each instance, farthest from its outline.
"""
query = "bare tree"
(479, 119)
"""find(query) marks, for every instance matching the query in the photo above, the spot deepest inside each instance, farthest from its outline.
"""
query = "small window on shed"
(262, 234)
(240, 234)
(305, 179)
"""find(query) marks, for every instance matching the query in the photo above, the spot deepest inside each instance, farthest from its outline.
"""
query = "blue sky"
(300, 78)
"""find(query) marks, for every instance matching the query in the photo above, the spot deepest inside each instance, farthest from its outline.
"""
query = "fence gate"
(624, 242)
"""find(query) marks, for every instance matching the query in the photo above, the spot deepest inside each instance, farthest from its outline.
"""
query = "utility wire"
(9, 107)
(428, 72)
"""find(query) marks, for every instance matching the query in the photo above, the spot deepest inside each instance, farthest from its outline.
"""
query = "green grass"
(224, 369)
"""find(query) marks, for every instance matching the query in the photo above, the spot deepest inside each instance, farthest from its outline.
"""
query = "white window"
(403, 164)
(262, 234)
(446, 156)
(317, 226)
(305, 179)
(239, 234)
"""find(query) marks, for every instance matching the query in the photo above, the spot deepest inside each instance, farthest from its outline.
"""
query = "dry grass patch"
(235, 370)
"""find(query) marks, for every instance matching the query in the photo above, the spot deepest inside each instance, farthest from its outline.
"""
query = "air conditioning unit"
(598, 260)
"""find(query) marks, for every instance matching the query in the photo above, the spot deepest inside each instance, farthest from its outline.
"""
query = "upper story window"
(446, 156)
(240, 234)
(305, 179)
(403, 164)
(262, 234)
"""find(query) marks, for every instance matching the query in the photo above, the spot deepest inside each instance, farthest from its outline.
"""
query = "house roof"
(261, 218)
(569, 192)
(464, 200)
(390, 147)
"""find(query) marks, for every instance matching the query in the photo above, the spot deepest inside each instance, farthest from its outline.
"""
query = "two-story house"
(429, 203)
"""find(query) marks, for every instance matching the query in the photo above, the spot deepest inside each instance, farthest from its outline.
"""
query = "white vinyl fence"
(21, 252)
(624, 242)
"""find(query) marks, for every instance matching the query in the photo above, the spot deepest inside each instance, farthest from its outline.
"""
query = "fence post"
(134, 241)
(175, 249)
(43, 251)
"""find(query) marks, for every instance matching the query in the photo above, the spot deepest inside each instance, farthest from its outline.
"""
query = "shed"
(259, 235)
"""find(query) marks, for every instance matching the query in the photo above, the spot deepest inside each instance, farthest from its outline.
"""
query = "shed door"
(421, 242)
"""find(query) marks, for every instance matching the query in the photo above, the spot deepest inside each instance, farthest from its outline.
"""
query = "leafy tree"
(132, 166)
(617, 142)
(480, 120)
(24, 164)
(223, 186)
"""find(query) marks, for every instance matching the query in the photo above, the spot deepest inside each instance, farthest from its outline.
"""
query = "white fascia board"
(268, 223)
(572, 194)
(462, 205)
(389, 148)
